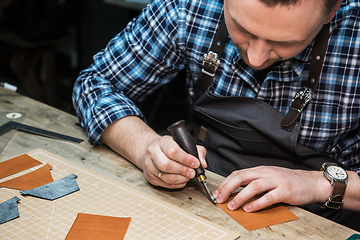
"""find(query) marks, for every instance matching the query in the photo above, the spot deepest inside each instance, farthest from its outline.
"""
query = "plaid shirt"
(170, 35)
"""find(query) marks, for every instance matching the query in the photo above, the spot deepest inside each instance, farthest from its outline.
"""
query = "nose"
(258, 52)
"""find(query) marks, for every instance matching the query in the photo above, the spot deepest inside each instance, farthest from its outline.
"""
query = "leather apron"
(246, 132)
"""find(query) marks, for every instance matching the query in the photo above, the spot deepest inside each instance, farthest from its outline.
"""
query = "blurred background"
(44, 44)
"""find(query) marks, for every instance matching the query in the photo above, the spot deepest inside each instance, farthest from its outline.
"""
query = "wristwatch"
(338, 179)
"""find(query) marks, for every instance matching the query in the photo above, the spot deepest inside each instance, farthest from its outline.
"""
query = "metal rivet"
(318, 57)
(218, 43)
(313, 80)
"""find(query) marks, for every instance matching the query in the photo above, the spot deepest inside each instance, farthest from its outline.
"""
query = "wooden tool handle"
(182, 136)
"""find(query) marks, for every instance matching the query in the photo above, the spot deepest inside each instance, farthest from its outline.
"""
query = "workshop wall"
(45, 43)
(38, 48)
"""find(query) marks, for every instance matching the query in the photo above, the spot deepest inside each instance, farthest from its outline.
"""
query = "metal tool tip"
(208, 192)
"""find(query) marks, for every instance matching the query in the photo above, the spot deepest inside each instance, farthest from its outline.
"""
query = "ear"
(333, 12)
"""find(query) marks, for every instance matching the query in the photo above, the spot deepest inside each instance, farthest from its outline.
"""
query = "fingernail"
(216, 194)
(231, 205)
(247, 208)
(195, 164)
(190, 174)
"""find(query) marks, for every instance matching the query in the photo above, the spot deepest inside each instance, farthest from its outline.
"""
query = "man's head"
(269, 31)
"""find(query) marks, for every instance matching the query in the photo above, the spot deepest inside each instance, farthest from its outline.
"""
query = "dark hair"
(328, 4)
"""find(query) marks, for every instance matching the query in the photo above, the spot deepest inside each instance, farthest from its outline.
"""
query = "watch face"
(337, 172)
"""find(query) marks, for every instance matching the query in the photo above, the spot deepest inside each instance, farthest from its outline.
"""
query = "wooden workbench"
(104, 161)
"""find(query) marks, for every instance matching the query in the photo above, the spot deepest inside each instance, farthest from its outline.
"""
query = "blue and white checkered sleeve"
(97, 104)
(144, 56)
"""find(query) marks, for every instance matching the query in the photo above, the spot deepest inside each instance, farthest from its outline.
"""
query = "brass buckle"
(213, 61)
(305, 95)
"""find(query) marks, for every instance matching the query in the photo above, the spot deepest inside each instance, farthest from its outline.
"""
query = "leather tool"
(182, 136)
(26, 128)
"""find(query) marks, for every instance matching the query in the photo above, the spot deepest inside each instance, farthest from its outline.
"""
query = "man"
(266, 58)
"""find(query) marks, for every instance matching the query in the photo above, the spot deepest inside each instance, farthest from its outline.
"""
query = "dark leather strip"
(317, 60)
(217, 47)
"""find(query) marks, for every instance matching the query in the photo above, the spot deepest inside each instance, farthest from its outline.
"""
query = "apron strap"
(304, 95)
(212, 59)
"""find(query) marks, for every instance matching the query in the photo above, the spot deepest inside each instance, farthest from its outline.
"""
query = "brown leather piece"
(316, 65)
(17, 164)
(217, 47)
(339, 188)
(30, 180)
(267, 217)
(291, 116)
(91, 227)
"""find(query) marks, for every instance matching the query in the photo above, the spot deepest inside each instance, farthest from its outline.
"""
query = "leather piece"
(56, 189)
(30, 180)
(94, 227)
(17, 164)
(318, 56)
(289, 119)
(267, 217)
(336, 197)
(339, 189)
(9, 210)
(316, 64)
(217, 47)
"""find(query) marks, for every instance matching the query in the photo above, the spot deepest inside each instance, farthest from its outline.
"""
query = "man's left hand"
(294, 187)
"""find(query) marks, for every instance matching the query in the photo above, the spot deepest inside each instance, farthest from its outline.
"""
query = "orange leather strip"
(267, 217)
(17, 164)
(91, 227)
(30, 180)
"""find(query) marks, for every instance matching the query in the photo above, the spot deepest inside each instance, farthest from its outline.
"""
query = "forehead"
(292, 22)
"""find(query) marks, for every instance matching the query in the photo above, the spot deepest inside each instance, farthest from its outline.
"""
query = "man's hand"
(176, 166)
(138, 143)
(295, 187)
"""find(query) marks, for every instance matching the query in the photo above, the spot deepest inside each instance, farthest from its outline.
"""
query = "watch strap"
(336, 197)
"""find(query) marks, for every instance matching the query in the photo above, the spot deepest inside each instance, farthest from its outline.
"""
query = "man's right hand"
(135, 141)
(176, 166)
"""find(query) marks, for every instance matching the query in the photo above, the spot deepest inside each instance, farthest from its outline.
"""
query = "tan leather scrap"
(30, 180)
(267, 217)
(89, 226)
(17, 164)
